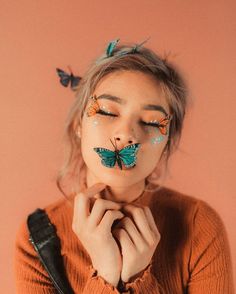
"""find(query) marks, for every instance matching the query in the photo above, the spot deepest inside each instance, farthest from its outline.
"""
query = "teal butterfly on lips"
(126, 155)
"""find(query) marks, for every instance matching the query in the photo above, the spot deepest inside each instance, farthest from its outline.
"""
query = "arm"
(210, 262)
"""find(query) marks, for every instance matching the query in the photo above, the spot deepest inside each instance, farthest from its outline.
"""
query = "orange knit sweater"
(193, 255)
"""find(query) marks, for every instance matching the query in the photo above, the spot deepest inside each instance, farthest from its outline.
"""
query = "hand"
(138, 238)
(94, 231)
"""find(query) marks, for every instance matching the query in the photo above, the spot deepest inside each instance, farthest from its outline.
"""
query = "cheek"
(153, 148)
(156, 138)
(93, 128)
(94, 133)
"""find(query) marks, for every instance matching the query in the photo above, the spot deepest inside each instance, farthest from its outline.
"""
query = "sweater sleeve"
(145, 283)
(96, 284)
(30, 275)
(210, 262)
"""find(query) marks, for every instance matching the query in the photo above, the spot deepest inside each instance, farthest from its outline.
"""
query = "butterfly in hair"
(93, 107)
(67, 79)
(111, 46)
(126, 155)
(162, 124)
(134, 49)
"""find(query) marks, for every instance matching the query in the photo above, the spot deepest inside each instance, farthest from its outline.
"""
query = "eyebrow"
(123, 102)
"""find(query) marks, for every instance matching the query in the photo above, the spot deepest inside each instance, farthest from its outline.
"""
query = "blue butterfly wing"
(128, 154)
(108, 156)
(64, 77)
(111, 46)
(75, 81)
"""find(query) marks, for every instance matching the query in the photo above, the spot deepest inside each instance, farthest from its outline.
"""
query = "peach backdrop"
(38, 36)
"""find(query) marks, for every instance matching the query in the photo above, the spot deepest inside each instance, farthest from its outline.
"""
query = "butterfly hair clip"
(93, 107)
(126, 155)
(112, 45)
(68, 79)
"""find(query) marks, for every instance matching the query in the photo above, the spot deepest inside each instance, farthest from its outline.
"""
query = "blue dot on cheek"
(95, 122)
(157, 140)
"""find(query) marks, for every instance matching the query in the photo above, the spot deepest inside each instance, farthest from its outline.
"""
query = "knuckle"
(126, 220)
(153, 242)
(109, 213)
(138, 211)
(144, 249)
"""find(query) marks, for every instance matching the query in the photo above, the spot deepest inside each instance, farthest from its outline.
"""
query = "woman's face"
(125, 96)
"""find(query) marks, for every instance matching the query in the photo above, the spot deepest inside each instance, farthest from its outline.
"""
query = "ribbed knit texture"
(193, 255)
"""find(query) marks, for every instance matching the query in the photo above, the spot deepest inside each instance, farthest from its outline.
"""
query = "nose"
(123, 138)
(130, 141)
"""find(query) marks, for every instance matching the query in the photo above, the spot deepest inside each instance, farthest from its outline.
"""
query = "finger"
(82, 201)
(151, 220)
(97, 196)
(109, 218)
(99, 208)
(141, 222)
(94, 189)
(124, 240)
(135, 236)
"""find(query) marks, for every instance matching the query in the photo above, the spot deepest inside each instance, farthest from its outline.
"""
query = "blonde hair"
(145, 60)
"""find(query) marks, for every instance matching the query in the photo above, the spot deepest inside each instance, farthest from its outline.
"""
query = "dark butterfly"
(127, 155)
(66, 79)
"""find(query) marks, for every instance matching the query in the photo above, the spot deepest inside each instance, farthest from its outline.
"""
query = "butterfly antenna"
(144, 41)
(139, 45)
(113, 144)
(69, 69)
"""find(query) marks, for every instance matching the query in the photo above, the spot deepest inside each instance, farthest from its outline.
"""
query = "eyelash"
(114, 115)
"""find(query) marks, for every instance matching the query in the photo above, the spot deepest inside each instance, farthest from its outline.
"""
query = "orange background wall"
(38, 36)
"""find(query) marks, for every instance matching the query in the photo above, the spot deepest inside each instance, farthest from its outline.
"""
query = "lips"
(124, 167)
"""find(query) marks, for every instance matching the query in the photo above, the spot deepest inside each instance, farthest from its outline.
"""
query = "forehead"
(134, 87)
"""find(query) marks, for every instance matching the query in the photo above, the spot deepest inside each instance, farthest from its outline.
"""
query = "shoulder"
(58, 212)
(180, 201)
(189, 210)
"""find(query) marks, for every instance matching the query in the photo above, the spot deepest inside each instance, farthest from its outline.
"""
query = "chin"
(119, 178)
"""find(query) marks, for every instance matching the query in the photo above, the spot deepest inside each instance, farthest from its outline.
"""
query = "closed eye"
(150, 124)
(102, 112)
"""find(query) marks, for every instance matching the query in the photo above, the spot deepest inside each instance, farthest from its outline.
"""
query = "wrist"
(130, 279)
(109, 279)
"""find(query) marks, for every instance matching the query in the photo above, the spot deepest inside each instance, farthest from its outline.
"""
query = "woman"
(120, 229)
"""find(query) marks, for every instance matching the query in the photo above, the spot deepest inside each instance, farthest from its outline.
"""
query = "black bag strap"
(47, 244)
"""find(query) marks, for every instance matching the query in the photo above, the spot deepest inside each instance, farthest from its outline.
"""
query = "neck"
(118, 193)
